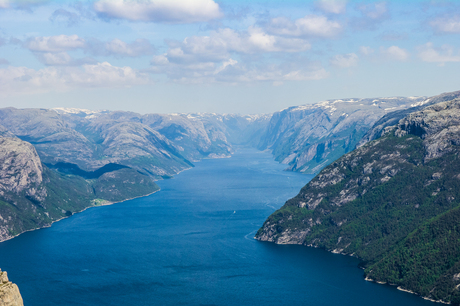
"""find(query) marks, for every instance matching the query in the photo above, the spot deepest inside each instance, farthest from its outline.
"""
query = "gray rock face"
(309, 137)
(20, 169)
(438, 125)
(9, 292)
(393, 118)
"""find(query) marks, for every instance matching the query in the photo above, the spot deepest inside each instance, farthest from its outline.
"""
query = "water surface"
(189, 244)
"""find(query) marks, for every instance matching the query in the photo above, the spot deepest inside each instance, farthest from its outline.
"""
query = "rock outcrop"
(393, 118)
(9, 292)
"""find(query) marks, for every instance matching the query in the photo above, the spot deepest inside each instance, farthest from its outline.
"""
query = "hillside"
(393, 202)
(33, 196)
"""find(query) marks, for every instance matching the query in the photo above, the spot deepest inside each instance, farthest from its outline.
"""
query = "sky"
(246, 57)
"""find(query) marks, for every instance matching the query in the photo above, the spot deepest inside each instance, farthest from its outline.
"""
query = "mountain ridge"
(393, 202)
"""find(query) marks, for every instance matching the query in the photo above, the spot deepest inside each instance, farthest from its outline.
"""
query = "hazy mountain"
(393, 202)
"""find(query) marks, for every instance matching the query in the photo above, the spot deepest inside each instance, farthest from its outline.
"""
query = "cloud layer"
(168, 11)
(25, 80)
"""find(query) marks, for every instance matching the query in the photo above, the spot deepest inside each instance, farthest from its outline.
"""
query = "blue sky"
(223, 56)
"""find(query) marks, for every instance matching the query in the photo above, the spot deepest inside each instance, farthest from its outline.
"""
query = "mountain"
(33, 196)
(93, 141)
(9, 292)
(307, 138)
(394, 203)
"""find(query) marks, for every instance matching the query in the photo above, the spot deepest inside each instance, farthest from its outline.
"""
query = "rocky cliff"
(309, 137)
(394, 203)
(393, 118)
(9, 292)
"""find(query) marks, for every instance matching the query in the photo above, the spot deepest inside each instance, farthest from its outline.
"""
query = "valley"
(364, 201)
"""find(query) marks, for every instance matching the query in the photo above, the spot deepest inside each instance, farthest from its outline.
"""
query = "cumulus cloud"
(214, 58)
(395, 53)
(18, 80)
(219, 44)
(344, 60)
(167, 11)
(57, 43)
(446, 24)
(308, 26)
(332, 6)
(428, 53)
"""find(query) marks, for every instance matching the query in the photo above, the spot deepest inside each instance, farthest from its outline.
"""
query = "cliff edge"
(9, 292)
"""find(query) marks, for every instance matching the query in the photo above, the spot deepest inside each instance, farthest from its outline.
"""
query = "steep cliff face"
(309, 137)
(394, 202)
(20, 169)
(9, 292)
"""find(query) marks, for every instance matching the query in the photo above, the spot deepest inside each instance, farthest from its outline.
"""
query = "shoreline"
(77, 212)
(400, 288)
(366, 278)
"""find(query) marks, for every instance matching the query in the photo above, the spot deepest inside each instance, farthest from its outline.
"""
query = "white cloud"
(364, 50)
(21, 4)
(446, 24)
(395, 53)
(137, 48)
(169, 11)
(4, 4)
(19, 80)
(230, 62)
(344, 60)
(308, 26)
(332, 6)
(55, 59)
(62, 43)
(57, 43)
(219, 44)
(428, 53)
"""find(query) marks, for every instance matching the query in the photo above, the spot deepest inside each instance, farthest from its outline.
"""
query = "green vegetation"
(402, 216)
(68, 194)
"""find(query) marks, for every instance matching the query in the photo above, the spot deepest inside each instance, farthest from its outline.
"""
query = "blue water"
(189, 244)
